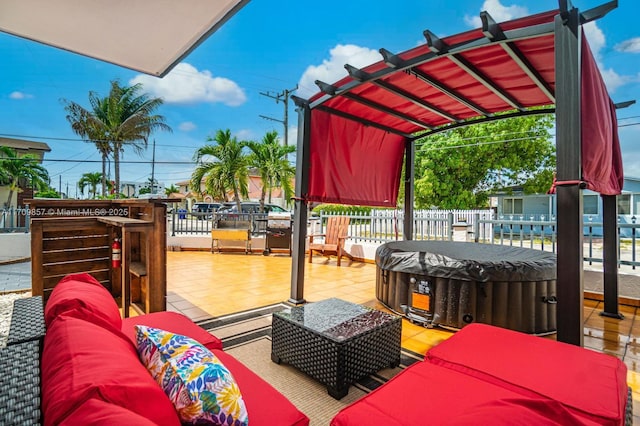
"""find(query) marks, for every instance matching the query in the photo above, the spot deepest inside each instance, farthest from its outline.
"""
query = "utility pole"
(153, 167)
(284, 97)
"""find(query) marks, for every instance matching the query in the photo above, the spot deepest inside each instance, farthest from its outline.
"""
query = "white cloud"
(332, 69)
(185, 84)
(498, 12)
(187, 126)
(597, 42)
(20, 95)
(629, 46)
(595, 37)
(244, 135)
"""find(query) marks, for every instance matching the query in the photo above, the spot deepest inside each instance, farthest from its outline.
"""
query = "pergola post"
(610, 256)
(409, 173)
(570, 284)
(300, 205)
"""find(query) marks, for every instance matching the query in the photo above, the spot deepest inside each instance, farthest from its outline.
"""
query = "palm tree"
(269, 157)
(15, 171)
(171, 190)
(92, 180)
(227, 168)
(86, 125)
(125, 117)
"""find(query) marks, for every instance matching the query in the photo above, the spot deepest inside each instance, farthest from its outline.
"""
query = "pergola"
(354, 135)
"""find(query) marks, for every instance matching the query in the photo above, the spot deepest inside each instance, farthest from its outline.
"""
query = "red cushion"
(82, 296)
(425, 393)
(174, 323)
(589, 383)
(265, 405)
(82, 360)
(96, 412)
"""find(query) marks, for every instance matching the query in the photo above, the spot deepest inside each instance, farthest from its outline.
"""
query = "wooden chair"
(334, 238)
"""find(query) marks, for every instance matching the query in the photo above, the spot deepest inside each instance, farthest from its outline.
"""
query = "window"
(512, 206)
(590, 204)
(624, 204)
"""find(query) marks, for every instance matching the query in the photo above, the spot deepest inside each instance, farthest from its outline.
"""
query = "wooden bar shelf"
(74, 236)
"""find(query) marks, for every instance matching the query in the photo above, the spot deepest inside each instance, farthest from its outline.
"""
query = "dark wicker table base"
(333, 363)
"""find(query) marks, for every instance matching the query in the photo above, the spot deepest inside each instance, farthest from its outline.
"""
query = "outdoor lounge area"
(182, 337)
(220, 292)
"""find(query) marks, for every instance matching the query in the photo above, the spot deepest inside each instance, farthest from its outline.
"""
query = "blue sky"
(270, 46)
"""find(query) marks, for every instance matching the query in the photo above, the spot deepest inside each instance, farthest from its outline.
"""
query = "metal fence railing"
(14, 220)
(380, 226)
(201, 223)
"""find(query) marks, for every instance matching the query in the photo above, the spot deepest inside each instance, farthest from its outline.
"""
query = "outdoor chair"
(334, 238)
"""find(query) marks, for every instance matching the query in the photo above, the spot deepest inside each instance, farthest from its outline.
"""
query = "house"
(254, 187)
(22, 147)
(516, 205)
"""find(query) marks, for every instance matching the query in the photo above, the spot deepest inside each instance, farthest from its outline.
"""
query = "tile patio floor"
(203, 285)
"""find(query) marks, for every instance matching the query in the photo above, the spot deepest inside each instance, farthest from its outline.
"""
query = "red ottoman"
(590, 384)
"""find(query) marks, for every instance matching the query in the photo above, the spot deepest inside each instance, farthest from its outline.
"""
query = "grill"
(278, 232)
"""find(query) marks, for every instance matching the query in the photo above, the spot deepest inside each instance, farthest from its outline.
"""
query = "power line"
(284, 97)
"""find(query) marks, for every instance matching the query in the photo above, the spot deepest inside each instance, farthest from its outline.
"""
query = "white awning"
(150, 36)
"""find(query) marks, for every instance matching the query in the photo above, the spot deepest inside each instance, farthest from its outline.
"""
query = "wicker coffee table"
(336, 342)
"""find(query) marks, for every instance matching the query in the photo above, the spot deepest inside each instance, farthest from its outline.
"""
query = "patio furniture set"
(91, 372)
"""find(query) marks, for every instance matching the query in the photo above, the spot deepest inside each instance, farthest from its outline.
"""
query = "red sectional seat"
(91, 372)
(490, 375)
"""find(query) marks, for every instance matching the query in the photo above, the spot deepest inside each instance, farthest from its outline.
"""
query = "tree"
(459, 168)
(124, 118)
(223, 166)
(86, 125)
(92, 180)
(171, 190)
(269, 157)
(21, 170)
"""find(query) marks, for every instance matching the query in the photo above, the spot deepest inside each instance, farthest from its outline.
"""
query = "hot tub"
(452, 284)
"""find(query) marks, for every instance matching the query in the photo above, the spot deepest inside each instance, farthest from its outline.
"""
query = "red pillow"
(96, 412)
(82, 296)
(81, 361)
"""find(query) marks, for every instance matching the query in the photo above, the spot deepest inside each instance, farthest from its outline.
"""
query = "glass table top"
(336, 318)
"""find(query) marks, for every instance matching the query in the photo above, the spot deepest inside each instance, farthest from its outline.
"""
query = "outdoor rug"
(247, 336)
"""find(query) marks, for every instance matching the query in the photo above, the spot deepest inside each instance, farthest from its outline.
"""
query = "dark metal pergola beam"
(396, 62)
(484, 120)
(362, 120)
(512, 35)
(440, 47)
(387, 110)
(360, 75)
(491, 29)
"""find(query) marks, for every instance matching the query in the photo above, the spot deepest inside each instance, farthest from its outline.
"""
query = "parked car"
(253, 207)
(204, 210)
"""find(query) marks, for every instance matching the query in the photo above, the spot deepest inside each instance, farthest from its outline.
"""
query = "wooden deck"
(203, 285)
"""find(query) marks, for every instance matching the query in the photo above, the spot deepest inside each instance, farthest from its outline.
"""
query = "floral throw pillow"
(201, 388)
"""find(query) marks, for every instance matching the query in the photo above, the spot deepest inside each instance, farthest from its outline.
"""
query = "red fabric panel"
(174, 323)
(351, 163)
(590, 384)
(82, 296)
(265, 405)
(428, 394)
(82, 360)
(601, 156)
(96, 412)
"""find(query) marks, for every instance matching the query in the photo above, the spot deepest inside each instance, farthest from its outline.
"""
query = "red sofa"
(490, 375)
(91, 373)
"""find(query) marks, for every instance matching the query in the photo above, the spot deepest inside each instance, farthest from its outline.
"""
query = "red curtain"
(601, 156)
(351, 163)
